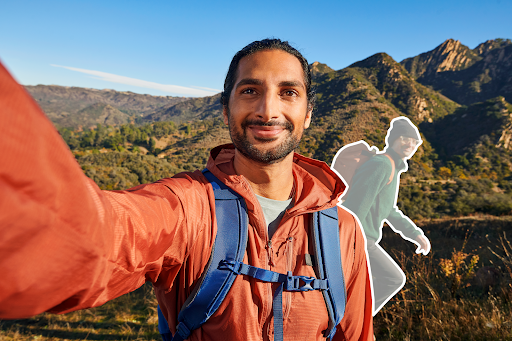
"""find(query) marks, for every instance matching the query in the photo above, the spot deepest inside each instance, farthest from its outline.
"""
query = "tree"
(444, 172)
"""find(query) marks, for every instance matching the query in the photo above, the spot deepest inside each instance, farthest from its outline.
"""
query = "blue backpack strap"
(326, 238)
(163, 327)
(214, 284)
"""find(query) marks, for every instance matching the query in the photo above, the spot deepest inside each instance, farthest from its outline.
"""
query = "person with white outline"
(372, 198)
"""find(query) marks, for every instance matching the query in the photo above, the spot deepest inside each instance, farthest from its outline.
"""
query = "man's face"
(268, 107)
(405, 147)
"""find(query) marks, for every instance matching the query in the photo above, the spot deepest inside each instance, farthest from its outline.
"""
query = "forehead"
(271, 66)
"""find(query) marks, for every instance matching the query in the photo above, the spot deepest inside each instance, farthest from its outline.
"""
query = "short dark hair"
(262, 45)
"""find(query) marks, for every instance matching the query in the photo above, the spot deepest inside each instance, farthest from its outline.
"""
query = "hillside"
(189, 110)
(463, 166)
(72, 106)
(360, 101)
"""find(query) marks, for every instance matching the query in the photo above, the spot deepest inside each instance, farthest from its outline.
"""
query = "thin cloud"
(176, 89)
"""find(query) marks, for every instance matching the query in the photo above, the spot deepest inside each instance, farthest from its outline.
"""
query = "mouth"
(408, 150)
(265, 132)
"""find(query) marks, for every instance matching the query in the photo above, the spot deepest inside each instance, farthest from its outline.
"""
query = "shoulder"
(186, 183)
(187, 192)
(381, 160)
(348, 222)
(377, 165)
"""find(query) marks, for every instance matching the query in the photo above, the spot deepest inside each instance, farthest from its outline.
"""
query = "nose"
(267, 107)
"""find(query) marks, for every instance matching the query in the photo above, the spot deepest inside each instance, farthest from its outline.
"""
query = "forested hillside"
(464, 166)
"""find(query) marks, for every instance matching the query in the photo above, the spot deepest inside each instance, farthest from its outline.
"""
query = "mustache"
(285, 125)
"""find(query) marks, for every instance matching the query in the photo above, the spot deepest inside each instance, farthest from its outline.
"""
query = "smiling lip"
(262, 131)
(408, 150)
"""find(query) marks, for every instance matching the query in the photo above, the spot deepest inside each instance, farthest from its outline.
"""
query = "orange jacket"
(67, 245)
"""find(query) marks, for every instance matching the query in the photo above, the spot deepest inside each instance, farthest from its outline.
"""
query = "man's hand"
(423, 244)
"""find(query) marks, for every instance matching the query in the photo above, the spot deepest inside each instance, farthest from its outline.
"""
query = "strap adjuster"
(232, 265)
(183, 330)
(293, 283)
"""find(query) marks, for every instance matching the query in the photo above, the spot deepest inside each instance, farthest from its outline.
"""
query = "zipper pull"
(270, 253)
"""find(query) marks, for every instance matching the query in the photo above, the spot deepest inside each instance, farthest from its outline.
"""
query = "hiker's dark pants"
(387, 276)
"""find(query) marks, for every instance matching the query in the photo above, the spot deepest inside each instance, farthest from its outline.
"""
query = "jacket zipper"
(270, 253)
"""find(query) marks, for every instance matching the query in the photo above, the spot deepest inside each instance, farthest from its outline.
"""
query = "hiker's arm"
(403, 224)
(65, 244)
(357, 323)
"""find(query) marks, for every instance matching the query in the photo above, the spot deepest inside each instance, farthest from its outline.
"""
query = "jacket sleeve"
(66, 244)
(403, 224)
(357, 324)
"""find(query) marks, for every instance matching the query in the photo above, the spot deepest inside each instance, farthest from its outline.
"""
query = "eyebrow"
(249, 81)
(292, 84)
(253, 81)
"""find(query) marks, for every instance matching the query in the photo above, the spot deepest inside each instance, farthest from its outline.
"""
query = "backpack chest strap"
(289, 281)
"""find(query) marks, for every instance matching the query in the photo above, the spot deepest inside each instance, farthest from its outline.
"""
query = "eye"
(248, 91)
(290, 93)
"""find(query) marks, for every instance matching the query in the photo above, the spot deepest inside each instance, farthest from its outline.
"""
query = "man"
(372, 198)
(67, 245)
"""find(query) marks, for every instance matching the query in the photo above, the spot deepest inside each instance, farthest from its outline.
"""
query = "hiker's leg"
(387, 276)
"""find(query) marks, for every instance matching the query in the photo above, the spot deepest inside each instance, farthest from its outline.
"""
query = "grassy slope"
(433, 305)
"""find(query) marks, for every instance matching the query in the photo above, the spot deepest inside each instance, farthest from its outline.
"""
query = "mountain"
(318, 69)
(358, 102)
(449, 56)
(65, 105)
(464, 75)
(90, 116)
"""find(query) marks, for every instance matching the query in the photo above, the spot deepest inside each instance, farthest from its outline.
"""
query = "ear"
(225, 114)
(307, 121)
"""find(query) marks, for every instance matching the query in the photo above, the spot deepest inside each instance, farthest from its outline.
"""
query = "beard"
(268, 156)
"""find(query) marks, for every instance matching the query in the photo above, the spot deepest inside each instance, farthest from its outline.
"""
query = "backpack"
(348, 159)
(226, 263)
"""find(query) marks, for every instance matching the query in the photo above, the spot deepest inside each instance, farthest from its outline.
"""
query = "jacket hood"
(317, 186)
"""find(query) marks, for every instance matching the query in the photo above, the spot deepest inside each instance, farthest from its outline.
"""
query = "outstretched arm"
(408, 230)
(66, 244)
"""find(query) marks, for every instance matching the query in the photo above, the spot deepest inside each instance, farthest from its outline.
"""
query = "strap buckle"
(293, 283)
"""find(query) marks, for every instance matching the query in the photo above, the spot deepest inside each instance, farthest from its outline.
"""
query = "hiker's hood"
(317, 186)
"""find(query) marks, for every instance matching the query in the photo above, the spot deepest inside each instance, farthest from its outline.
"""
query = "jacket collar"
(317, 186)
(400, 164)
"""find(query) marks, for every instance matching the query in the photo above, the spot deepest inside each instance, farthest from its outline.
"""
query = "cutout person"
(372, 197)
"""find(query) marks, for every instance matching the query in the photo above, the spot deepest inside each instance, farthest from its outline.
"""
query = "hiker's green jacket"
(373, 200)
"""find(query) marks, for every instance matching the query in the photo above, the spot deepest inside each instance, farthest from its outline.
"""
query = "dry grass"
(438, 302)
(445, 296)
(129, 317)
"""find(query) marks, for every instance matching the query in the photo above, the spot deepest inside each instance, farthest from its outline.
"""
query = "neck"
(396, 153)
(273, 181)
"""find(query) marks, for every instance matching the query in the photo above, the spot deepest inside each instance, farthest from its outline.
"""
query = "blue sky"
(184, 48)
